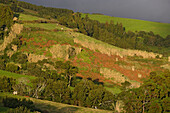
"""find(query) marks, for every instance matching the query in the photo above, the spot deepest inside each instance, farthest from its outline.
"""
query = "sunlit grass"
(18, 77)
(25, 17)
(163, 29)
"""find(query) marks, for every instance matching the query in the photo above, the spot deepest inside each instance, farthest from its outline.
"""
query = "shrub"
(20, 109)
(14, 103)
(12, 67)
(19, 58)
(2, 64)
(6, 84)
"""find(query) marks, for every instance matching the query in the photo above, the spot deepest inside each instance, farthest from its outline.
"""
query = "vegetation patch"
(134, 24)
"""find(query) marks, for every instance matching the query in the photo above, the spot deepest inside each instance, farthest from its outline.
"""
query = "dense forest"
(55, 85)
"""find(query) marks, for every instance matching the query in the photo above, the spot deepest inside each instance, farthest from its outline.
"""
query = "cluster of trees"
(13, 5)
(46, 12)
(153, 96)
(7, 84)
(115, 34)
(19, 110)
(6, 20)
(85, 93)
(20, 105)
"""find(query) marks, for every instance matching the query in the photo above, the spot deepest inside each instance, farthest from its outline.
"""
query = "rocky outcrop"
(35, 58)
(64, 51)
(117, 77)
(109, 74)
(111, 50)
(15, 30)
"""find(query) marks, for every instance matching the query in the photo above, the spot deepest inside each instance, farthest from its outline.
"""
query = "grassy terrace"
(135, 25)
(25, 17)
(18, 77)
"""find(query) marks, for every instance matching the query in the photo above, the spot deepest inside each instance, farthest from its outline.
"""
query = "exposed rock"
(59, 51)
(117, 77)
(139, 76)
(111, 50)
(15, 19)
(15, 30)
(133, 68)
(119, 106)
(14, 47)
(35, 58)
(10, 53)
(108, 73)
(51, 67)
(64, 51)
(166, 66)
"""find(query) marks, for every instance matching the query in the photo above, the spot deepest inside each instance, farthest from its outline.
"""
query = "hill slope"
(51, 107)
(135, 25)
(95, 59)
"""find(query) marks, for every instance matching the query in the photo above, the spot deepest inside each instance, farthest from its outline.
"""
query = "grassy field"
(163, 29)
(18, 77)
(52, 107)
(25, 17)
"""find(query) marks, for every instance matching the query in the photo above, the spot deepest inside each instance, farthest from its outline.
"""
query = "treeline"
(19, 105)
(85, 93)
(6, 20)
(45, 12)
(115, 34)
(151, 97)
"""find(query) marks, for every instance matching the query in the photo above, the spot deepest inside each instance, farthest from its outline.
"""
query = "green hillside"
(20, 78)
(51, 107)
(59, 62)
(163, 29)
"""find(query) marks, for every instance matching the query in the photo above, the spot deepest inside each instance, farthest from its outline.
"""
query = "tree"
(57, 91)
(70, 72)
(7, 84)
(6, 20)
(12, 67)
(81, 92)
(150, 97)
(100, 98)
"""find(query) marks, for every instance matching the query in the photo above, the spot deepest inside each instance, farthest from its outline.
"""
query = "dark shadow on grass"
(2, 108)
(47, 108)
(96, 81)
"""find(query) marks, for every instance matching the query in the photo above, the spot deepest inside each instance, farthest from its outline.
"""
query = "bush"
(2, 64)
(14, 103)
(19, 58)
(12, 67)
(6, 84)
(20, 109)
